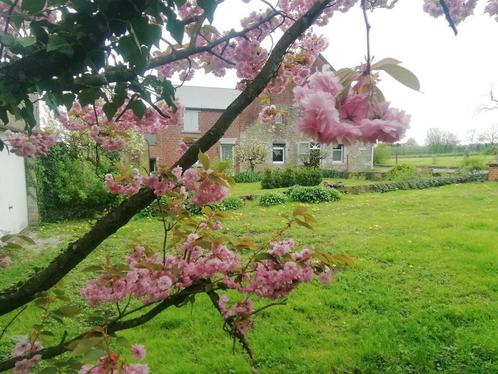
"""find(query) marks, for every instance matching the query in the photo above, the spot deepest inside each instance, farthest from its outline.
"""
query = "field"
(440, 160)
(421, 297)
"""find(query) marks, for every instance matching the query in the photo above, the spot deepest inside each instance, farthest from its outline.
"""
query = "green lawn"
(440, 160)
(421, 297)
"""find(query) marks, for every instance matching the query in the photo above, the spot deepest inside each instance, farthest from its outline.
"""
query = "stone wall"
(493, 172)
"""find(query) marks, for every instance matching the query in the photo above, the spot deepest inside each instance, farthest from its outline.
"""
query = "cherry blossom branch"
(367, 27)
(215, 299)
(447, 14)
(27, 290)
(7, 22)
(177, 299)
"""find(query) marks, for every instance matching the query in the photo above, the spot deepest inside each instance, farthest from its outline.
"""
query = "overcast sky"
(456, 73)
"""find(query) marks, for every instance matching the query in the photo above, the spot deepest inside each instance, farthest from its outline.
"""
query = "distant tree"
(490, 135)
(252, 152)
(382, 153)
(411, 142)
(440, 141)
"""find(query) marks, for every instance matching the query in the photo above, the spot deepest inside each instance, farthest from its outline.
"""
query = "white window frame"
(191, 119)
(300, 145)
(227, 141)
(278, 146)
(335, 148)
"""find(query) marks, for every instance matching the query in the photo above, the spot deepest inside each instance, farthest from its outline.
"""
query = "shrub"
(427, 182)
(472, 164)
(402, 172)
(231, 203)
(314, 194)
(247, 177)
(70, 187)
(382, 154)
(289, 177)
(309, 177)
(270, 199)
(333, 173)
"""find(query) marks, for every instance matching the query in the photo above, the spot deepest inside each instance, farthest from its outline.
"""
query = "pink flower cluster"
(23, 347)
(354, 118)
(111, 133)
(268, 114)
(36, 145)
(492, 9)
(5, 261)
(112, 364)
(125, 185)
(459, 9)
(150, 279)
(281, 273)
(239, 313)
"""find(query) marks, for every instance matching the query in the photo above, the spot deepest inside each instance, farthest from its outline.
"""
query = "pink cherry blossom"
(138, 351)
(268, 114)
(5, 261)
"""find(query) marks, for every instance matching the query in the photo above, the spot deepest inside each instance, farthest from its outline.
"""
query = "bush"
(313, 194)
(472, 164)
(309, 177)
(247, 177)
(333, 173)
(289, 177)
(270, 199)
(382, 154)
(402, 172)
(70, 187)
(427, 182)
(230, 203)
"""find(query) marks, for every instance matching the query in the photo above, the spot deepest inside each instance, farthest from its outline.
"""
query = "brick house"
(286, 145)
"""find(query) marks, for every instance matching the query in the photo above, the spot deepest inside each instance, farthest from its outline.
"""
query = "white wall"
(13, 199)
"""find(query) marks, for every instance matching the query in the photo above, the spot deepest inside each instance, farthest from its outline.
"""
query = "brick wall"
(247, 128)
(493, 172)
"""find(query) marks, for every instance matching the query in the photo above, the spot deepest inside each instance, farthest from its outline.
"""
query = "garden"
(419, 294)
(131, 244)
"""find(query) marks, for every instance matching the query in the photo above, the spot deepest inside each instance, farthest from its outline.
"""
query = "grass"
(440, 160)
(421, 297)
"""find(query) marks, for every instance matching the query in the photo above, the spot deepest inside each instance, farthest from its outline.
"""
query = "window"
(278, 153)
(152, 165)
(191, 121)
(150, 139)
(338, 153)
(309, 153)
(279, 119)
(226, 152)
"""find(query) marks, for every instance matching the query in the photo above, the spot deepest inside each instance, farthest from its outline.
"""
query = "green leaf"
(138, 108)
(89, 95)
(33, 6)
(385, 61)
(59, 44)
(7, 39)
(204, 160)
(402, 75)
(67, 100)
(27, 41)
(132, 52)
(110, 110)
(209, 7)
(146, 33)
(174, 26)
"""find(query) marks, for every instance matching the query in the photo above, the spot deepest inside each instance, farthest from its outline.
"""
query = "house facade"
(286, 145)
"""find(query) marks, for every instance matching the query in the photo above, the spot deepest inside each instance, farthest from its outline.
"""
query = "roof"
(206, 97)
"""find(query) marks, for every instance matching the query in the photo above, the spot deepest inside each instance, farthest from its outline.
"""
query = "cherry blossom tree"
(105, 69)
